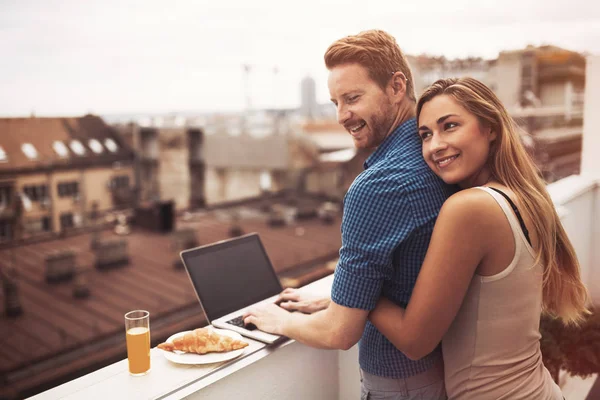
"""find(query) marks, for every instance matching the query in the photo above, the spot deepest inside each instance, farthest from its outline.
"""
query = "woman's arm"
(458, 244)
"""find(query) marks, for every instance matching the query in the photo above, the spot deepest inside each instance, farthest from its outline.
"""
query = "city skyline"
(71, 58)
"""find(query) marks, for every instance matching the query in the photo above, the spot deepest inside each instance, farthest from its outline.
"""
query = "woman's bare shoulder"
(471, 206)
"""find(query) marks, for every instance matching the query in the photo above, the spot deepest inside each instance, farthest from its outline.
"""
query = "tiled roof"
(58, 336)
(43, 132)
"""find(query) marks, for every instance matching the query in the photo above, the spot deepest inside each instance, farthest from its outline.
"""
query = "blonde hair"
(564, 294)
(375, 50)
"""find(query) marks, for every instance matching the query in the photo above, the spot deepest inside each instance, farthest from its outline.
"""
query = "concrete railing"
(577, 200)
(287, 371)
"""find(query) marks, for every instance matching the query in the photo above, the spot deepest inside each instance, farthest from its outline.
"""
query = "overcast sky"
(71, 57)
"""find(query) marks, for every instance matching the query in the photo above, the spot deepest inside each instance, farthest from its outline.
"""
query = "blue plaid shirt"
(389, 214)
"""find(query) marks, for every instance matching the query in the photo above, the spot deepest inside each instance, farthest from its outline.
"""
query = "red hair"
(375, 50)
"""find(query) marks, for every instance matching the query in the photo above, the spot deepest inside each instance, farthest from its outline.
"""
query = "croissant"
(202, 341)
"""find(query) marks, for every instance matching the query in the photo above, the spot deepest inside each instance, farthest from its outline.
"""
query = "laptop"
(228, 277)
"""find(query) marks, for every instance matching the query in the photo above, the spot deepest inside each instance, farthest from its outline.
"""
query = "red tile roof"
(42, 132)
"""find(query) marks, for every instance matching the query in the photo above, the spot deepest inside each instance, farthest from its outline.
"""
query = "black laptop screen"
(231, 275)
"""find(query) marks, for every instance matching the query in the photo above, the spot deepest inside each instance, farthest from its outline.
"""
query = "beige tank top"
(492, 349)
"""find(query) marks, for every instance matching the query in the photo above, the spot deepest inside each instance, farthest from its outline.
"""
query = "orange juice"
(138, 350)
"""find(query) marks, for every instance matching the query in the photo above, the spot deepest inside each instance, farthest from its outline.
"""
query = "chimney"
(12, 304)
(235, 228)
(81, 288)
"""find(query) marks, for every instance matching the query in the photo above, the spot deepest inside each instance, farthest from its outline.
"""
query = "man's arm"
(336, 327)
(370, 233)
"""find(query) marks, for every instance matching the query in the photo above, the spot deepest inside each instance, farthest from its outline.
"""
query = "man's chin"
(360, 143)
(363, 144)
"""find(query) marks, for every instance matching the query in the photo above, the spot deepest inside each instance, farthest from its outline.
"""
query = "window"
(5, 231)
(36, 192)
(66, 189)
(29, 151)
(96, 146)
(5, 194)
(3, 157)
(60, 149)
(111, 145)
(119, 182)
(77, 147)
(66, 221)
(46, 224)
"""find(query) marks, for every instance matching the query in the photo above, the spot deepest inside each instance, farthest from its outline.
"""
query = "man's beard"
(380, 129)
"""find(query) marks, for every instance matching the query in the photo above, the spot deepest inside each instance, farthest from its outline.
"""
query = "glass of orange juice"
(137, 333)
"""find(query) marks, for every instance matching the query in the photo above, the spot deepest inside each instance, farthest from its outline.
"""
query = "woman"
(498, 255)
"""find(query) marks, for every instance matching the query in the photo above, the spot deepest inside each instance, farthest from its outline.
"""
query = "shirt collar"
(403, 132)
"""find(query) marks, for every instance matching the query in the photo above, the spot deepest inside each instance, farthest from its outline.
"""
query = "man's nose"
(343, 115)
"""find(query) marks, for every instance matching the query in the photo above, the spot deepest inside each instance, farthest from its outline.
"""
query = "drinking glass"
(137, 334)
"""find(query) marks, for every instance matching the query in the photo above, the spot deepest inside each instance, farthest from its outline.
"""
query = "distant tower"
(247, 97)
(308, 93)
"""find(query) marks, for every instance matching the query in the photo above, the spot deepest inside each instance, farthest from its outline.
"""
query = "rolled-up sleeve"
(377, 217)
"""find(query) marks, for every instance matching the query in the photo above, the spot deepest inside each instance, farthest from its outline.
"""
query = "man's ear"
(398, 84)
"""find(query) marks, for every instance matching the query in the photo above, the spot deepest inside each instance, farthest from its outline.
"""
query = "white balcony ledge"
(287, 370)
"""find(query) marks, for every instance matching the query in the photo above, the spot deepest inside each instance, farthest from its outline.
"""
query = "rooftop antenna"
(248, 100)
(276, 114)
(275, 76)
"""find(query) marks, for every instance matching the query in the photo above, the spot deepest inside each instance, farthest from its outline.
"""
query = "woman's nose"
(438, 144)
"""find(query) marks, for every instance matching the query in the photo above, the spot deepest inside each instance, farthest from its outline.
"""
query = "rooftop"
(59, 337)
(32, 143)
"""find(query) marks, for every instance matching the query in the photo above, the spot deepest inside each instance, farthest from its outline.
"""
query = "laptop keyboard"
(239, 321)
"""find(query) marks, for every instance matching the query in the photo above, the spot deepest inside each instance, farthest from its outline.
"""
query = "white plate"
(181, 357)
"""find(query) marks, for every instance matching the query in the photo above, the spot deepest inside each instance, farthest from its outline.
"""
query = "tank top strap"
(515, 225)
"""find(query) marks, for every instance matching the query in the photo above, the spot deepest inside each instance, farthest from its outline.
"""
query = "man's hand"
(294, 300)
(335, 327)
(267, 317)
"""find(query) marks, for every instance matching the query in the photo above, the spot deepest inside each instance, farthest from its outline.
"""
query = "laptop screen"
(231, 275)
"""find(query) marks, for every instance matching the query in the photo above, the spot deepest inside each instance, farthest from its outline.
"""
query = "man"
(389, 214)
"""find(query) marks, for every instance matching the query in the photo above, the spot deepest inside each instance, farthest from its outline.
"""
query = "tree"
(576, 349)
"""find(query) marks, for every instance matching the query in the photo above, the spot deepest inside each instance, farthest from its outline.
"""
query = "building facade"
(55, 171)
(542, 87)
(233, 159)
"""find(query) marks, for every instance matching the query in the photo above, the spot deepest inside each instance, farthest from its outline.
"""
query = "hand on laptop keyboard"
(239, 321)
(296, 300)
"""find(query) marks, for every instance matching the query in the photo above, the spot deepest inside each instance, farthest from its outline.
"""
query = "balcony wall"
(577, 200)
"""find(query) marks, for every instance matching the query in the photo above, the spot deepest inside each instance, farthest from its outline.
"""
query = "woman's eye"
(425, 135)
(450, 125)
